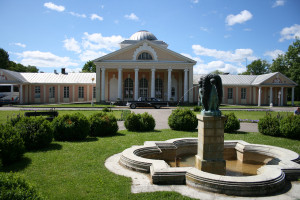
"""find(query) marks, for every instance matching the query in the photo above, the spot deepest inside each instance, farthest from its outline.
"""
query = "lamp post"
(92, 103)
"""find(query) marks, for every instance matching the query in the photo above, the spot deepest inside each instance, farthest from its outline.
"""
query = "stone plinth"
(209, 156)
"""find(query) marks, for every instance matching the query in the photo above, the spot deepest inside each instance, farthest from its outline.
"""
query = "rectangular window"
(66, 92)
(52, 92)
(37, 92)
(80, 92)
(94, 92)
(230, 93)
(243, 93)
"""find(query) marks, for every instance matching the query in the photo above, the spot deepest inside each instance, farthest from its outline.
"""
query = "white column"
(58, 93)
(136, 84)
(293, 96)
(120, 83)
(259, 96)
(271, 96)
(281, 98)
(152, 83)
(103, 84)
(169, 83)
(26, 94)
(190, 82)
(21, 94)
(98, 85)
(185, 85)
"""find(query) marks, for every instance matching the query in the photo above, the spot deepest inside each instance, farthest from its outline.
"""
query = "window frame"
(229, 93)
(37, 92)
(243, 93)
(51, 92)
(66, 92)
(80, 92)
(145, 56)
(159, 86)
(128, 88)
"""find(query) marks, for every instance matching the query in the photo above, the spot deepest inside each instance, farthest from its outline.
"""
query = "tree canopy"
(257, 67)
(89, 67)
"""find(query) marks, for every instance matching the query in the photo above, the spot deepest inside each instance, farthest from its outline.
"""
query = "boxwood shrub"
(289, 126)
(12, 186)
(231, 124)
(183, 120)
(269, 125)
(70, 127)
(36, 132)
(140, 122)
(11, 144)
(102, 124)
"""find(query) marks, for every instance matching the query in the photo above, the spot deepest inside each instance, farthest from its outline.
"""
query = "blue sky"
(218, 34)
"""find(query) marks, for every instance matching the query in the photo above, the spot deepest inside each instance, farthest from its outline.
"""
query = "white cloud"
(239, 55)
(96, 41)
(52, 6)
(240, 18)
(18, 44)
(90, 55)
(278, 3)
(199, 60)
(73, 70)
(96, 17)
(195, 1)
(77, 15)
(274, 54)
(45, 59)
(132, 16)
(288, 33)
(204, 29)
(217, 65)
(72, 45)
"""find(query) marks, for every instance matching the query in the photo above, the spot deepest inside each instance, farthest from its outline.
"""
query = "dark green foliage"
(139, 122)
(269, 125)
(105, 109)
(70, 127)
(12, 186)
(231, 124)
(102, 124)
(36, 132)
(290, 126)
(183, 120)
(89, 67)
(197, 108)
(11, 144)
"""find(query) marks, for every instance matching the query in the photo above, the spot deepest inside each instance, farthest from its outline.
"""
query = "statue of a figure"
(210, 94)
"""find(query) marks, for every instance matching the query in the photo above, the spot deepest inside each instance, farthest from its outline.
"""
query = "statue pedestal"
(211, 145)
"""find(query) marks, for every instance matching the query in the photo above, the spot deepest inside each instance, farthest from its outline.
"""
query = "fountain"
(252, 169)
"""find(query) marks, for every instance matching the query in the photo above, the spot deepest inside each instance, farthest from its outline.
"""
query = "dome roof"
(143, 35)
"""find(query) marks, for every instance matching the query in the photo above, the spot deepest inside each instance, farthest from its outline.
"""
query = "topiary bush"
(140, 122)
(269, 125)
(102, 124)
(11, 144)
(289, 126)
(231, 124)
(36, 132)
(183, 120)
(70, 127)
(12, 186)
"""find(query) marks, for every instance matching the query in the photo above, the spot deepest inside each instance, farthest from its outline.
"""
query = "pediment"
(278, 79)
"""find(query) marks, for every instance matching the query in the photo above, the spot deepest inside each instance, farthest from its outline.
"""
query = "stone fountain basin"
(281, 165)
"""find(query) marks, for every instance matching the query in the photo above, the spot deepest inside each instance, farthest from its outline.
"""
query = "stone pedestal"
(209, 157)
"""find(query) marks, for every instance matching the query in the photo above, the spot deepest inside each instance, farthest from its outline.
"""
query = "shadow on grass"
(17, 166)
(239, 132)
(114, 135)
(51, 147)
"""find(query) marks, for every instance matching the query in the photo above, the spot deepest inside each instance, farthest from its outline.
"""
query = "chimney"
(55, 72)
(63, 70)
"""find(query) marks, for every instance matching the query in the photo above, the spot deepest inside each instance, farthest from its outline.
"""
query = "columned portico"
(136, 84)
(103, 84)
(153, 82)
(169, 83)
(120, 83)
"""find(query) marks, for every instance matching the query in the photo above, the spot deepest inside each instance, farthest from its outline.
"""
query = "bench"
(50, 114)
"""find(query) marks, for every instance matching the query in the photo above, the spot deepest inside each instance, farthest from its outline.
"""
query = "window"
(5, 88)
(230, 93)
(128, 88)
(37, 92)
(16, 89)
(158, 88)
(52, 92)
(243, 93)
(145, 56)
(66, 92)
(143, 85)
(173, 92)
(94, 92)
(80, 92)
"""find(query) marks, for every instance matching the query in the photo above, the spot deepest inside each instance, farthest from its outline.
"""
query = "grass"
(71, 105)
(75, 170)
(296, 103)
(253, 115)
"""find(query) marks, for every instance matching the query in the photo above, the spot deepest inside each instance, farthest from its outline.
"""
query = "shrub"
(197, 108)
(140, 122)
(231, 124)
(124, 115)
(11, 144)
(269, 125)
(102, 124)
(12, 186)
(289, 126)
(70, 127)
(183, 120)
(36, 132)
(105, 109)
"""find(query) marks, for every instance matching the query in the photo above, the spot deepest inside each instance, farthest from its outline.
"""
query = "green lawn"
(75, 170)
(76, 105)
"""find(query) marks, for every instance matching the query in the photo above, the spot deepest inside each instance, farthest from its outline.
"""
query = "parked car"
(146, 102)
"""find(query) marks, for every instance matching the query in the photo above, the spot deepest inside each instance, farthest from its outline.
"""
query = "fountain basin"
(281, 165)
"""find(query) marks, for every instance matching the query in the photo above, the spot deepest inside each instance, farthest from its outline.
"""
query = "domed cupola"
(143, 35)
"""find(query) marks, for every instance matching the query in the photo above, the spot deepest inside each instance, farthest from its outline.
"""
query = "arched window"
(143, 85)
(128, 88)
(145, 56)
(158, 88)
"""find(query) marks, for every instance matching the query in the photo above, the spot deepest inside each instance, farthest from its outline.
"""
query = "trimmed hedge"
(231, 124)
(11, 144)
(139, 122)
(36, 132)
(183, 120)
(70, 127)
(12, 186)
(102, 124)
(269, 125)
